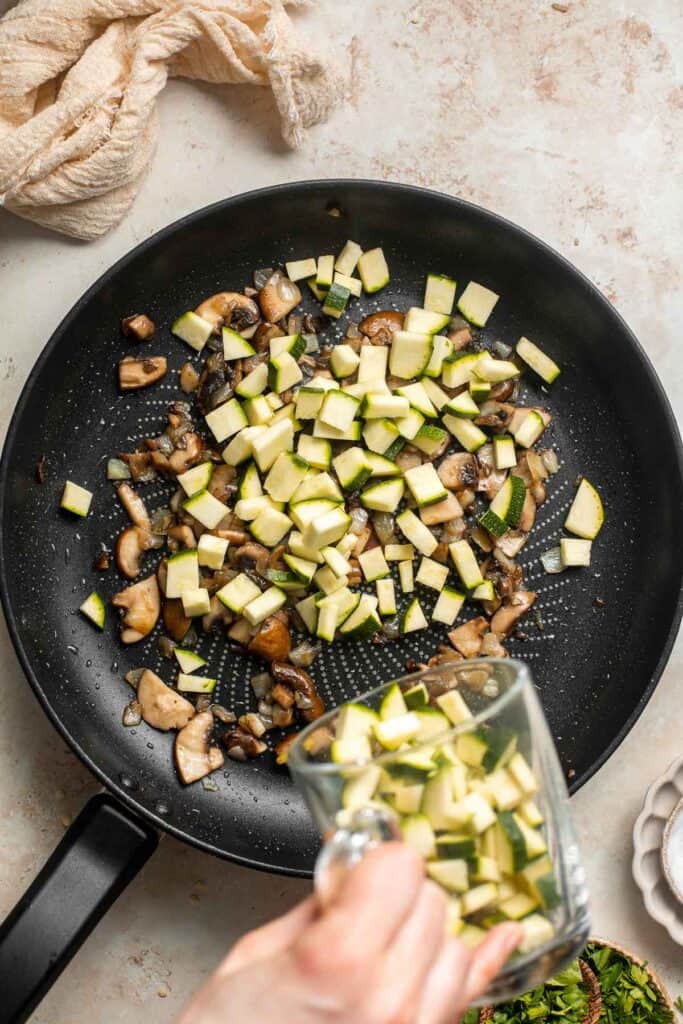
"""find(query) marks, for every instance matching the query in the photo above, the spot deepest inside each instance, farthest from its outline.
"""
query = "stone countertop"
(565, 118)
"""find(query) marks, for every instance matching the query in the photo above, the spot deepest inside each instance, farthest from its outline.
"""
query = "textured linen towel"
(79, 81)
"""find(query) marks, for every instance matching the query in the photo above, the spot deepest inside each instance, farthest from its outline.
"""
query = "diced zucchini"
(539, 362)
(484, 592)
(318, 292)
(353, 433)
(225, 420)
(270, 527)
(328, 529)
(196, 602)
(451, 846)
(339, 565)
(466, 564)
(399, 552)
(495, 370)
(308, 610)
(419, 535)
(439, 294)
(267, 446)
(459, 369)
(344, 361)
(258, 411)
(424, 321)
(503, 790)
(418, 833)
(410, 353)
(211, 551)
(472, 936)
(325, 272)
(301, 567)
(195, 684)
(381, 466)
(351, 751)
(328, 581)
(266, 604)
(586, 515)
(479, 897)
(285, 475)
(298, 548)
(361, 788)
(189, 661)
(241, 447)
(376, 407)
(315, 450)
(194, 330)
(480, 390)
(501, 744)
(315, 486)
(435, 394)
(392, 704)
(512, 850)
(93, 609)
(537, 931)
(336, 300)
(442, 349)
(373, 362)
(308, 402)
(76, 499)
(465, 432)
(347, 544)
(451, 874)
(477, 810)
(373, 564)
(406, 577)
(206, 509)
(575, 552)
(484, 869)
(347, 259)
(432, 723)
(508, 503)
(235, 346)
(448, 605)
(454, 707)
(530, 813)
(379, 435)
(273, 400)
(294, 344)
(410, 768)
(471, 748)
(429, 439)
(504, 454)
(386, 596)
(353, 284)
(304, 512)
(384, 496)
(413, 618)
(373, 270)
(196, 479)
(238, 593)
(530, 429)
(523, 775)
(432, 574)
(463, 405)
(283, 372)
(364, 621)
(297, 270)
(476, 303)
(254, 383)
(418, 398)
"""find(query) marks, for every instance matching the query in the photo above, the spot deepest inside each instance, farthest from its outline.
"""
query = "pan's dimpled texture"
(594, 667)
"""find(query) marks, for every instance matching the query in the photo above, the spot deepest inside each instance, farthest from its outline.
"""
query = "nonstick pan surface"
(606, 632)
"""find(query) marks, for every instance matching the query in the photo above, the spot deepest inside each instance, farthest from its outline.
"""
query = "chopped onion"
(132, 714)
(552, 561)
(117, 470)
(262, 275)
(536, 465)
(485, 453)
(312, 343)
(550, 460)
(222, 714)
(502, 350)
(133, 677)
(286, 289)
(304, 654)
(391, 628)
(261, 684)
(384, 524)
(359, 520)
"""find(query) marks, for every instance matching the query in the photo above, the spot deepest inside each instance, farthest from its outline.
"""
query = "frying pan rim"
(188, 220)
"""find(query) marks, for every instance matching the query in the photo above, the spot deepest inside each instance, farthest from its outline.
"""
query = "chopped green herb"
(679, 1004)
(564, 998)
(627, 991)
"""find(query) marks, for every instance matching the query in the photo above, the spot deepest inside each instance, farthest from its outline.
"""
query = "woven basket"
(594, 999)
(656, 983)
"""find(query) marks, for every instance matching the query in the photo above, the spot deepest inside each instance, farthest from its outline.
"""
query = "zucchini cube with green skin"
(477, 303)
(399, 552)
(410, 354)
(328, 529)
(392, 733)
(354, 284)
(315, 450)
(226, 420)
(418, 833)
(374, 564)
(196, 602)
(335, 300)
(451, 874)
(206, 509)
(279, 437)
(406, 577)
(360, 788)
(454, 706)
(193, 329)
(471, 748)
(537, 931)
(418, 398)
(298, 548)
(324, 430)
(429, 439)
(328, 581)
(502, 789)
(195, 684)
(373, 270)
(432, 574)
(182, 573)
(325, 272)
(439, 294)
(235, 346)
(241, 448)
(285, 475)
(530, 813)
(384, 496)
(493, 371)
(250, 484)
(442, 349)
(575, 552)
(484, 869)
(379, 435)
(463, 405)
(416, 697)
(448, 606)
(381, 406)
(257, 410)
(480, 390)
(436, 395)
(315, 486)
(255, 383)
(266, 604)
(298, 270)
(347, 260)
(304, 512)
(308, 611)
(356, 750)
(273, 400)
(466, 433)
(283, 372)
(270, 526)
(479, 897)
(466, 564)
(413, 618)
(425, 321)
(504, 454)
(188, 660)
(236, 594)
(344, 361)
(339, 565)
(509, 502)
(419, 535)
(452, 846)
(392, 704)
(338, 410)
(301, 567)
(93, 609)
(410, 424)
(484, 592)
(586, 515)
(517, 906)
(539, 362)
(386, 596)
(522, 774)
(530, 429)
(425, 485)
(459, 369)
(373, 363)
(76, 499)
(352, 468)
(308, 402)
(364, 621)
(196, 479)
(319, 293)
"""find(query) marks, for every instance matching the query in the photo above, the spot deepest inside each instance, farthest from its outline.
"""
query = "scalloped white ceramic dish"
(662, 799)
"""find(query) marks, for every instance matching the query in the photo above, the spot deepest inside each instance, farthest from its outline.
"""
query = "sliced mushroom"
(241, 744)
(130, 547)
(408, 459)
(282, 748)
(490, 481)
(511, 543)
(217, 614)
(160, 706)
(491, 647)
(189, 378)
(460, 337)
(195, 755)
(252, 556)
(138, 326)
(273, 640)
(263, 335)
(307, 698)
(230, 308)
(187, 453)
(282, 695)
(140, 373)
(222, 483)
(502, 391)
(181, 537)
(140, 465)
(496, 415)
(240, 631)
(278, 297)
(134, 506)
(442, 511)
(141, 604)
(512, 611)
(388, 320)
(458, 471)
(528, 515)
(467, 639)
(176, 623)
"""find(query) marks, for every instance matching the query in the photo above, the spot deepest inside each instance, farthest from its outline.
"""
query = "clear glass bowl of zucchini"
(458, 761)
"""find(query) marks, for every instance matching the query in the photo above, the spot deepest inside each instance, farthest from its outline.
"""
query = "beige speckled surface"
(568, 123)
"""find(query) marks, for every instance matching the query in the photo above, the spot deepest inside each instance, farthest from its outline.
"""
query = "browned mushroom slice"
(195, 755)
(130, 546)
(307, 699)
(460, 337)
(176, 622)
(240, 631)
(134, 506)
(230, 308)
(138, 326)
(511, 543)
(160, 706)
(140, 373)
(467, 639)
(282, 748)
(442, 511)
(278, 297)
(496, 415)
(182, 537)
(459, 471)
(222, 483)
(252, 556)
(217, 614)
(188, 451)
(273, 641)
(491, 647)
(241, 744)
(141, 604)
(408, 459)
(388, 320)
(512, 611)
(490, 481)
(528, 514)
(189, 378)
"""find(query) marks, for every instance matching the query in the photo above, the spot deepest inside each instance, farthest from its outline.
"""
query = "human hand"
(377, 954)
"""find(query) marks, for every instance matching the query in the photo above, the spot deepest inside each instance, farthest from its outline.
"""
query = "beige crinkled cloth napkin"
(79, 81)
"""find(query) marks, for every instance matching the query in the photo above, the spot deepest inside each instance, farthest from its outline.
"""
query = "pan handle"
(100, 854)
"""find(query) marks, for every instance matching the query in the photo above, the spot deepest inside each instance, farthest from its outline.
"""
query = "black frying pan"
(595, 666)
